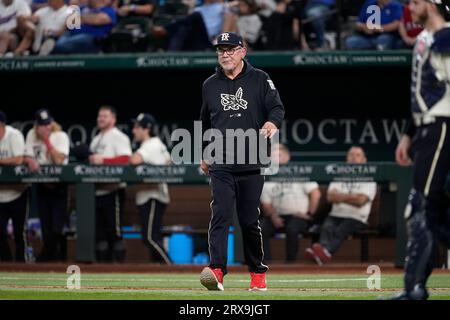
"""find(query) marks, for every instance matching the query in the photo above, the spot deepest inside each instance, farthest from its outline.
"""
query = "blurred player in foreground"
(426, 145)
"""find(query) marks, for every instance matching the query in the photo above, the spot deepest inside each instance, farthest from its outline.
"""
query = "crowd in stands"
(45, 27)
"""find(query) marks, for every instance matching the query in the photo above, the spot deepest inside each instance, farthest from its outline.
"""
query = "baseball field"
(295, 283)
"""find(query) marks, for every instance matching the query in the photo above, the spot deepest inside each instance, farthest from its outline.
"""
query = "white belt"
(420, 120)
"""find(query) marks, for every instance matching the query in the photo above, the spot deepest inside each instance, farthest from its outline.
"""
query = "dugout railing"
(85, 177)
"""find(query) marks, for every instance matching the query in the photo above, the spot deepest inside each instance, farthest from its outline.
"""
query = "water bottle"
(30, 255)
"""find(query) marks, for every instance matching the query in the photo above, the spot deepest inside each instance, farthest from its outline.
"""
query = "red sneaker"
(258, 282)
(321, 252)
(311, 255)
(212, 279)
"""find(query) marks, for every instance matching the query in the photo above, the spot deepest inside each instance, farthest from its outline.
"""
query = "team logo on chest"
(233, 102)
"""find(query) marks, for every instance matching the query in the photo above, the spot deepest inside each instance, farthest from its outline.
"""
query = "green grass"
(186, 286)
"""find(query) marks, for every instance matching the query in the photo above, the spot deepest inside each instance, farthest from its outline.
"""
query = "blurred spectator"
(81, 3)
(197, 30)
(351, 204)
(408, 30)
(317, 10)
(245, 21)
(47, 144)
(152, 200)
(266, 7)
(133, 28)
(281, 25)
(287, 206)
(380, 37)
(50, 24)
(14, 199)
(16, 32)
(97, 20)
(110, 146)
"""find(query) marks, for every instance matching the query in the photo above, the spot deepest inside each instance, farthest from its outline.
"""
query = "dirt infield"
(158, 268)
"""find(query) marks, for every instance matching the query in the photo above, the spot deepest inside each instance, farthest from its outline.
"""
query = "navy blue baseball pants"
(240, 192)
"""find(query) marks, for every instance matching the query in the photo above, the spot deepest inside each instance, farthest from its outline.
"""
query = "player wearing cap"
(14, 200)
(47, 144)
(426, 143)
(110, 146)
(238, 97)
(151, 200)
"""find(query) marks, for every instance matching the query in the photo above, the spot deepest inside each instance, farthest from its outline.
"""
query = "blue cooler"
(230, 258)
(181, 248)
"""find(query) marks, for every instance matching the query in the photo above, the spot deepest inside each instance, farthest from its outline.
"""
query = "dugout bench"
(86, 176)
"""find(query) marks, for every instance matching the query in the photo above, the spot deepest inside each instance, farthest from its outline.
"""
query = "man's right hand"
(205, 167)
(401, 153)
(277, 221)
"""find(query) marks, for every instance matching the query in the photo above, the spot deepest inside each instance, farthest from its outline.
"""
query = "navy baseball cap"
(2, 117)
(145, 120)
(43, 117)
(228, 38)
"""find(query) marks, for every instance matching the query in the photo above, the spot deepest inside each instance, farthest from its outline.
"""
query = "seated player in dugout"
(351, 204)
(287, 207)
(151, 199)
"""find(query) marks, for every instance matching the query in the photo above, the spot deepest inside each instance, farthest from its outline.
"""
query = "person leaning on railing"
(112, 147)
(47, 144)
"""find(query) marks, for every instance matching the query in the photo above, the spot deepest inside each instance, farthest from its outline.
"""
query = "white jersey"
(12, 145)
(110, 144)
(53, 20)
(9, 14)
(37, 149)
(153, 151)
(344, 210)
(289, 198)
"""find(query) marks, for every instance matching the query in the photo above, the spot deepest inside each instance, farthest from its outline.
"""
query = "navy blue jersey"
(246, 102)
(430, 85)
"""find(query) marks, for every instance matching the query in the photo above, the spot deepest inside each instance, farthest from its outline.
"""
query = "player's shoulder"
(18, 3)
(259, 72)
(42, 11)
(335, 184)
(116, 132)
(60, 134)
(13, 132)
(210, 80)
(153, 142)
(31, 134)
(262, 77)
(441, 42)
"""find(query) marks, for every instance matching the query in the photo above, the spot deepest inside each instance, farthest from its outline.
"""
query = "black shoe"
(418, 293)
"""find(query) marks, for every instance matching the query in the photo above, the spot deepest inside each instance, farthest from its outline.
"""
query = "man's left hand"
(269, 129)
